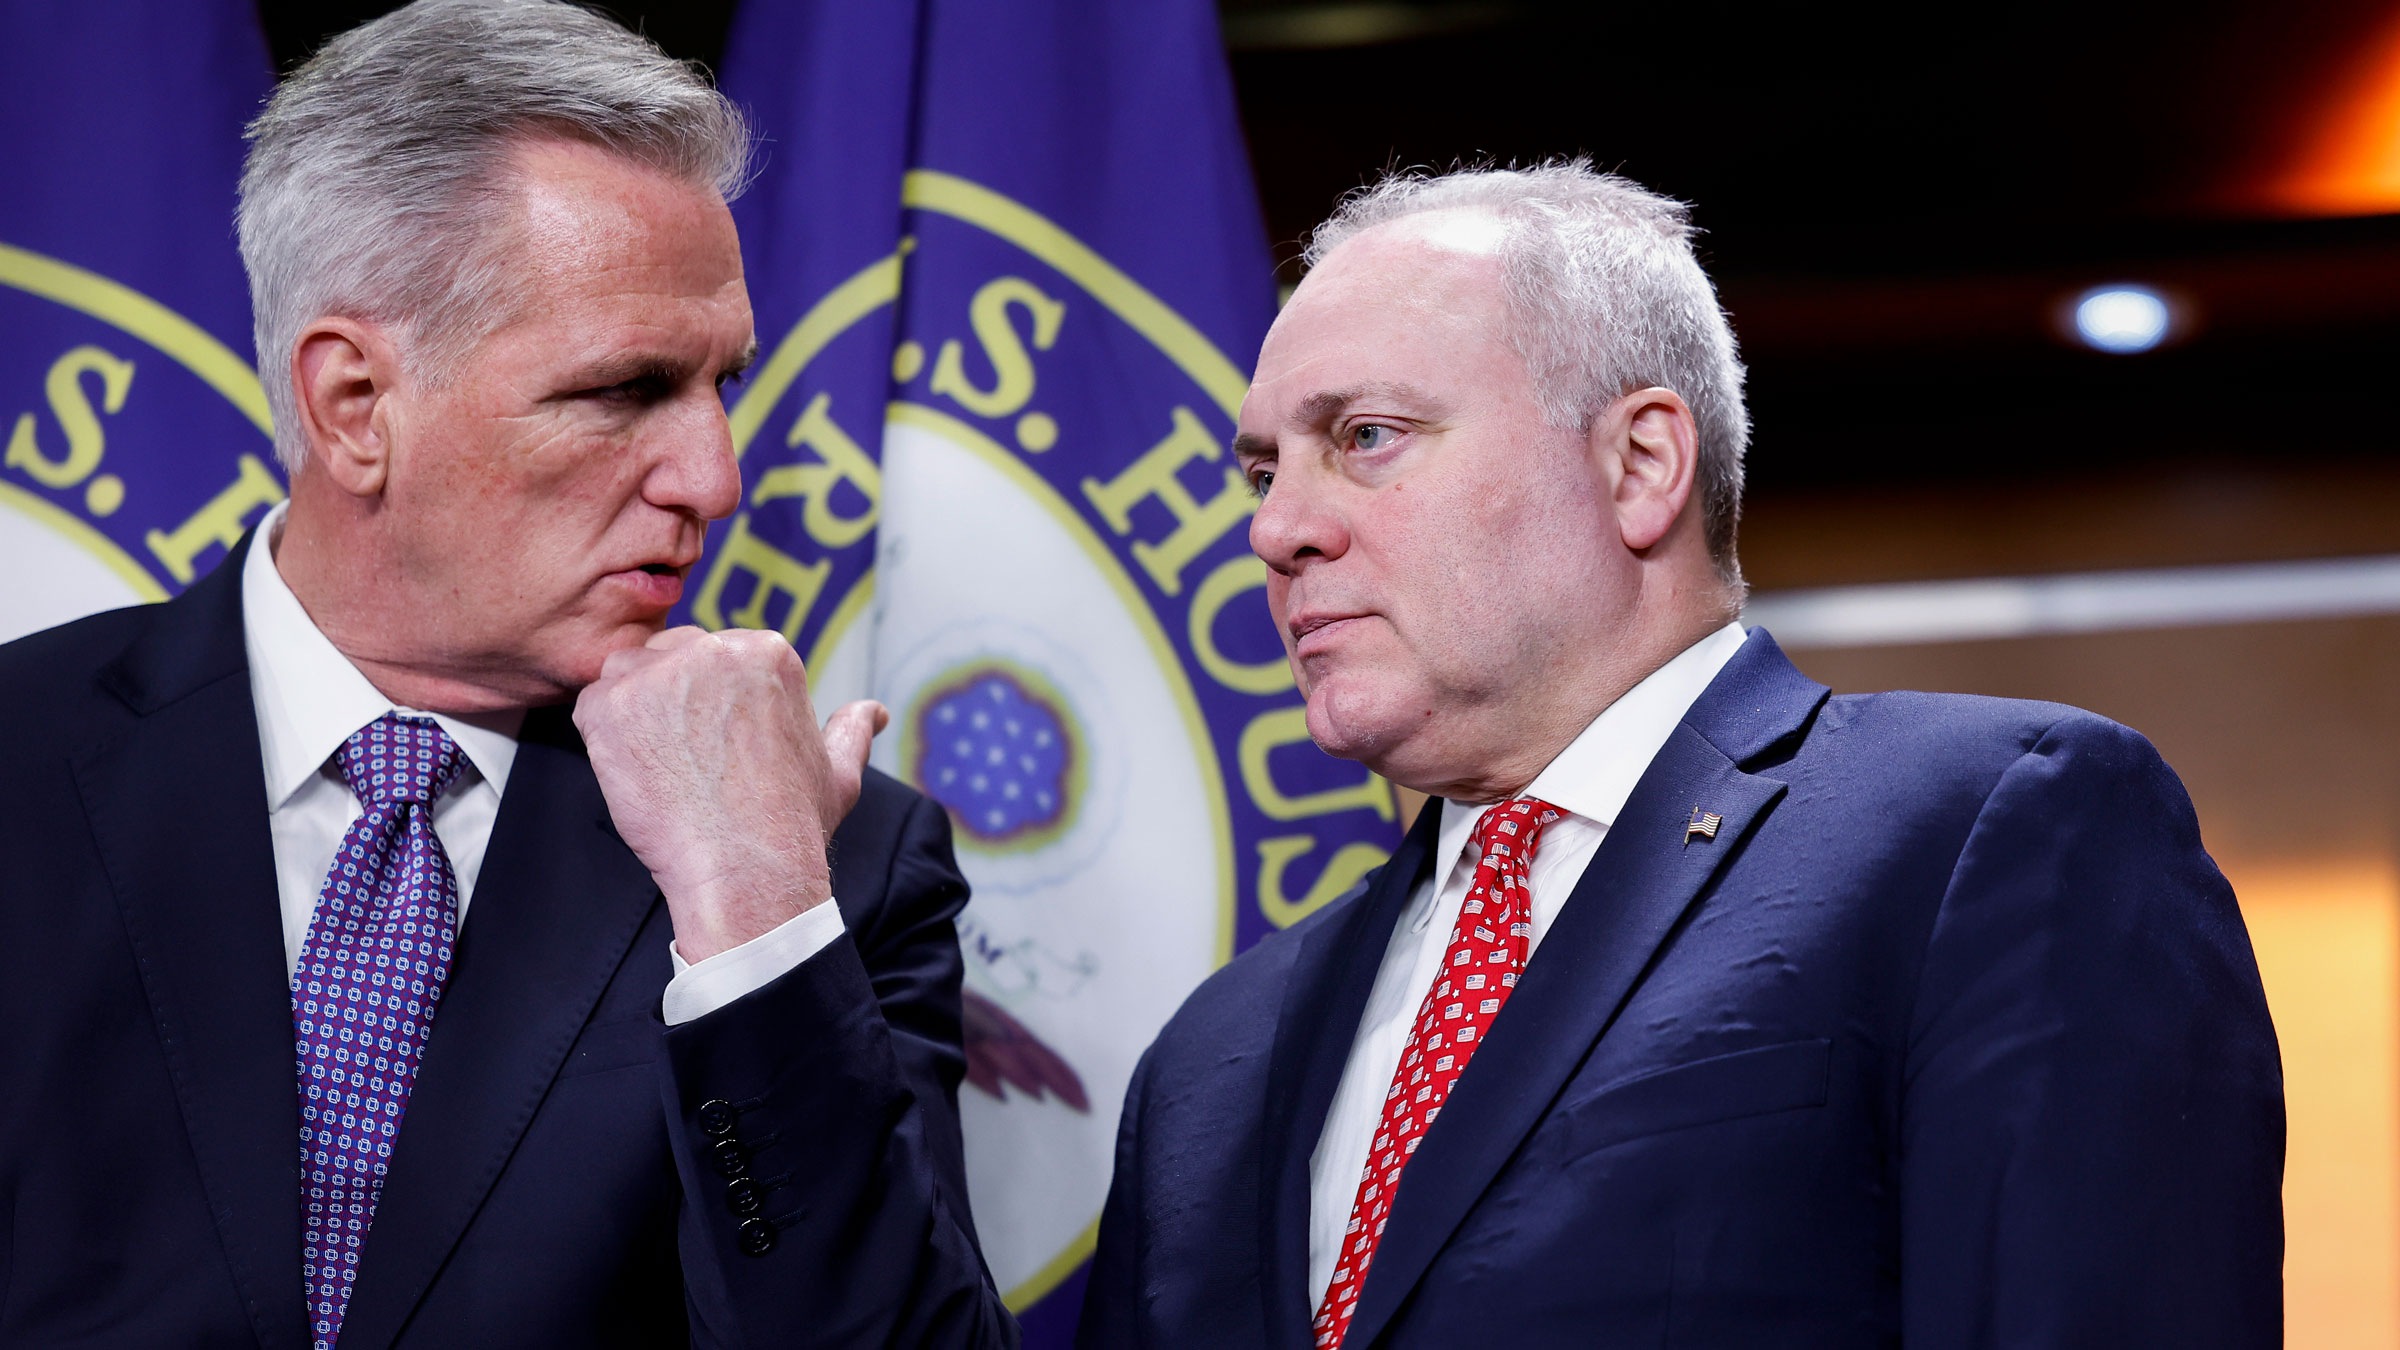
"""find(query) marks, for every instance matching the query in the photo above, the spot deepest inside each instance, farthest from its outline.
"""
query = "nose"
(697, 471)
(1297, 524)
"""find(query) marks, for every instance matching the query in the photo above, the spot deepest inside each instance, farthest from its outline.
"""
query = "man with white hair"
(407, 940)
(1698, 1008)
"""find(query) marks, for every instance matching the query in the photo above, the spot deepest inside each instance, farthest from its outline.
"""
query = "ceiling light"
(2122, 318)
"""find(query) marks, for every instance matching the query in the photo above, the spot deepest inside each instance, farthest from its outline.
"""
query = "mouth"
(653, 584)
(1323, 627)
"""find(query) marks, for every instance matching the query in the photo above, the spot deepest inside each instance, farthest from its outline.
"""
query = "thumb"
(850, 733)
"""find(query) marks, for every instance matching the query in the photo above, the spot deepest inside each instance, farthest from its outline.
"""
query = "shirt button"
(742, 1195)
(757, 1236)
(729, 1158)
(716, 1118)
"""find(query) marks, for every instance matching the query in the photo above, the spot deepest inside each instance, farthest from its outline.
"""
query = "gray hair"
(375, 188)
(1607, 298)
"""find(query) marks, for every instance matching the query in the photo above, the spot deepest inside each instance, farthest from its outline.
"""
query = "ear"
(1650, 449)
(343, 374)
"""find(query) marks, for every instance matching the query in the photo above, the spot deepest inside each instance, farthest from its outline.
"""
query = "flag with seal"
(1009, 276)
(135, 433)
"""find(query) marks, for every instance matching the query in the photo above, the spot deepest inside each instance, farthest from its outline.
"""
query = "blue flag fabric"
(135, 433)
(1009, 278)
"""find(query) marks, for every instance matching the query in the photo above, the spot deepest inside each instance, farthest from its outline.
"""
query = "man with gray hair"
(409, 940)
(1699, 1007)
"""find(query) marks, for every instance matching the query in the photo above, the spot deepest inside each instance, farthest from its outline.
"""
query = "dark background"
(1896, 201)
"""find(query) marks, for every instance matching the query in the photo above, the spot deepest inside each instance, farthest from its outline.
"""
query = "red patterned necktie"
(1478, 972)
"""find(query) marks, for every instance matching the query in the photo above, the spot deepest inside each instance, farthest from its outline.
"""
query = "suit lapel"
(178, 806)
(1326, 994)
(1631, 898)
(555, 910)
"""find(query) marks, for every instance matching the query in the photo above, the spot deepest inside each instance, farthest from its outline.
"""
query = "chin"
(1351, 723)
(574, 664)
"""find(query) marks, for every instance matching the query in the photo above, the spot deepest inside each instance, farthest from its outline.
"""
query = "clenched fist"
(717, 777)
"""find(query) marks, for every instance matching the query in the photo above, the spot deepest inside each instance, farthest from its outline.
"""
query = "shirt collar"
(1598, 770)
(308, 696)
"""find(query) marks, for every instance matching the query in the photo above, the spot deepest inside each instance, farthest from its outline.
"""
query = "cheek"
(538, 479)
(1433, 559)
(1460, 581)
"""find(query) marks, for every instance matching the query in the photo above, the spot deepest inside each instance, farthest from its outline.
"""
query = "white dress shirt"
(309, 699)
(1589, 780)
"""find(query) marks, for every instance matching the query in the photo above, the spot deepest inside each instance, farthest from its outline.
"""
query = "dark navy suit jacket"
(1951, 1037)
(553, 1181)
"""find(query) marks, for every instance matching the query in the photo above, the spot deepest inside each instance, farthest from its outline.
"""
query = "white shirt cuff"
(698, 990)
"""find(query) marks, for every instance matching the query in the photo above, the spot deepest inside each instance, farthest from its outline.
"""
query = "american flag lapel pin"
(1703, 825)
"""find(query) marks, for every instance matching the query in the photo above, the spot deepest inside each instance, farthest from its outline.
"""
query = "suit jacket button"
(742, 1195)
(730, 1159)
(758, 1237)
(716, 1118)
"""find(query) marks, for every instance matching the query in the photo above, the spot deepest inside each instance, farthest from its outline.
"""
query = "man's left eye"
(1372, 436)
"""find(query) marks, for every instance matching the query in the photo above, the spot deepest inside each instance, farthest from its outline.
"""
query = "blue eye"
(1371, 436)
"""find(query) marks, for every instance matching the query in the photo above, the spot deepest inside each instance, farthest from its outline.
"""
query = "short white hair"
(375, 185)
(1607, 297)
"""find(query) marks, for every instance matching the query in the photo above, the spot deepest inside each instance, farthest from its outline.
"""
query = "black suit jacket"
(554, 1182)
(1950, 1036)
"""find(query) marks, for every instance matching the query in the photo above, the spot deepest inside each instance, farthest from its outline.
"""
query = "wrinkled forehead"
(1395, 302)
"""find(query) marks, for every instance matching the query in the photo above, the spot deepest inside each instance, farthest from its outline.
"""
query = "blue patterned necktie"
(364, 992)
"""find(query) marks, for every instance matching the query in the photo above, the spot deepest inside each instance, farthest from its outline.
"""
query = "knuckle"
(759, 644)
(737, 646)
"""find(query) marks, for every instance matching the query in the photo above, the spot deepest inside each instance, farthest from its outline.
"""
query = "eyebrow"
(1323, 406)
(626, 367)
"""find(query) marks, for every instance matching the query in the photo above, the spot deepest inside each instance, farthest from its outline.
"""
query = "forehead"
(591, 224)
(1419, 302)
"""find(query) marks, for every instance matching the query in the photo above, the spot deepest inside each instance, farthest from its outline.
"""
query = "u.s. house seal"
(1045, 575)
(136, 445)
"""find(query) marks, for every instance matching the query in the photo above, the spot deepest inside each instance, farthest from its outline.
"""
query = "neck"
(352, 592)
